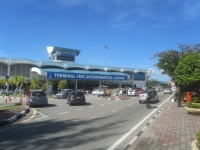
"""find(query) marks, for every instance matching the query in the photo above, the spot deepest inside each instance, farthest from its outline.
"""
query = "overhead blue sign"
(78, 76)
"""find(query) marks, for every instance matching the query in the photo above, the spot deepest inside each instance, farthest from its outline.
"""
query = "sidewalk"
(172, 129)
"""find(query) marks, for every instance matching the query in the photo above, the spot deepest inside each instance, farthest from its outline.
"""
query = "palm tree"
(62, 84)
(15, 80)
(34, 82)
(21, 80)
(3, 82)
(18, 81)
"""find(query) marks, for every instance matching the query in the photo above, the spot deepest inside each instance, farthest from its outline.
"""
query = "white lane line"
(41, 118)
(91, 106)
(79, 109)
(133, 129)
(90, 118)
(63, 113)
(128, 105)
(40, 114)
(115, 110)
(101, 104)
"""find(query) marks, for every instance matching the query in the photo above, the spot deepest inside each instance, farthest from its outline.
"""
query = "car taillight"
(45, 95)
(71, 96)
(30, 96)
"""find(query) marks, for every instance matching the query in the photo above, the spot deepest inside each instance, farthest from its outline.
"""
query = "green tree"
(34, 83)
(169, 60)
(44, 85)
(62, 84)
(15, 80)
(3, 83)
(187, 72)
(21, 81)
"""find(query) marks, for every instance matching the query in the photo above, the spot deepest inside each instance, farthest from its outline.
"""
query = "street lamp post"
(179, 90)
(106, 48)
(179, 87)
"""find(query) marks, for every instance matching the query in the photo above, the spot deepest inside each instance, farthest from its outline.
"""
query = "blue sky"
(134, 30)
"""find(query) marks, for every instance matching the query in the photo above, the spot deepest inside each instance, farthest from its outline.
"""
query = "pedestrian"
(148, 97)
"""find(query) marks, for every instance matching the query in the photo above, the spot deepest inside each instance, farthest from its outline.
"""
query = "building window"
(139, 76)
(65, 58)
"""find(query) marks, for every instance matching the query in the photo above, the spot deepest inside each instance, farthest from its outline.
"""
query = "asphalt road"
(99, 125)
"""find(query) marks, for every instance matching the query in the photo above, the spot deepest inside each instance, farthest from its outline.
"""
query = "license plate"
(77, 97)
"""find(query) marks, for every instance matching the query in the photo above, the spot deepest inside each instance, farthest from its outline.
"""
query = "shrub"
(198, 138)
(192, 105)
(195, 99)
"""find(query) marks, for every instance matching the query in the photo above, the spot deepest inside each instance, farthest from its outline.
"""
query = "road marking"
(79, 109)
(34, 113)
(63, 113)
(134, 128)
(101, 104)
(91, 106)
(109, 103)
(128, 105)
(41, 118)
(115, 110)
(90, 118)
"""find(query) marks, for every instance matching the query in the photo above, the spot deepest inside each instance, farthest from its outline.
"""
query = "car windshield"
(130, 90)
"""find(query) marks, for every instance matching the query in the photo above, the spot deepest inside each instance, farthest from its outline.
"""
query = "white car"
(131, 92)
(94, 92)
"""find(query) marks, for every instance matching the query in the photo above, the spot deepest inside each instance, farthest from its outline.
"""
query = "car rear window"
(78, 94)
(38, 94)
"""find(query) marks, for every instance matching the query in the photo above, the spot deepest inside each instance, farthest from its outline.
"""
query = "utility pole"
(7, 89)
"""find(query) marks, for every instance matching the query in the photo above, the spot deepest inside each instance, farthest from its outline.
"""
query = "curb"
(14, 118)
(139, 133)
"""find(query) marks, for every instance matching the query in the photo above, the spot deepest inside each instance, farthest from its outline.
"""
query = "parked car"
(131, 92)
(94, 92)
(88, 91)
(37, 98)
(100, 92)
(62, 95)
(67, 90)
(75, 97)
(167, 91)
(153, 93)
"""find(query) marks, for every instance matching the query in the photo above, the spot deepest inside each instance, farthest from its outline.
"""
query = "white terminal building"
(63, 66)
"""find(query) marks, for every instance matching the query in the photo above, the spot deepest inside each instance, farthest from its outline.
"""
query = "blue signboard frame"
(79, 76)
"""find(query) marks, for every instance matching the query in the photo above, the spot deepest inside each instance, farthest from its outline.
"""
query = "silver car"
(153, 93)
(167, 91)
(37, 98)
(62, 95)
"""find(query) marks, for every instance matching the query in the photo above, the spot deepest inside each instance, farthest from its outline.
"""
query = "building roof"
(53, 49)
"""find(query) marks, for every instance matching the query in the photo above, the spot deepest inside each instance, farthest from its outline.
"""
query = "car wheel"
(140, 102)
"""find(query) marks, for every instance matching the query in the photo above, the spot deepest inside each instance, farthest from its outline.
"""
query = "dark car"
(37, 98)
(76, 97)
